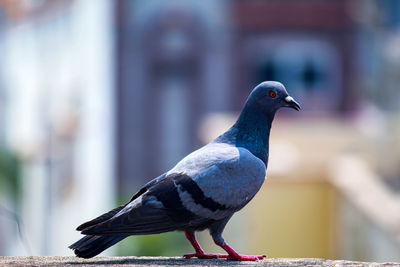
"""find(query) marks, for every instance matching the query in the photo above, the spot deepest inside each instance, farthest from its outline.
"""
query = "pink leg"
(233, 255)
(199, 251)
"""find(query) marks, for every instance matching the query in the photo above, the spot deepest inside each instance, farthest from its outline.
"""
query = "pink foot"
(199, 251)
(245, 257)
(205, 256)
(234, 256)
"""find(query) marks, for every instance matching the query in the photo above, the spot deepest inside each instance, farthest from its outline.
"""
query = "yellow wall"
(291, 219)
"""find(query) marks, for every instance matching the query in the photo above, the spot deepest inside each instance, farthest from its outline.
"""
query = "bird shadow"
(157, 261)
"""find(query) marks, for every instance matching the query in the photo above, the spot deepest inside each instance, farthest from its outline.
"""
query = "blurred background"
(99, 97)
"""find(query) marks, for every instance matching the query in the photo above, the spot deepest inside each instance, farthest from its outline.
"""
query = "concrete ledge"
(173, 261)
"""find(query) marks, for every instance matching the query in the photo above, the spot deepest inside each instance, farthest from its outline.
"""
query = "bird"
(203, 190)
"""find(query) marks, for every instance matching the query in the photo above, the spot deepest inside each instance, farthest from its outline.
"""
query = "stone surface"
(173, 261)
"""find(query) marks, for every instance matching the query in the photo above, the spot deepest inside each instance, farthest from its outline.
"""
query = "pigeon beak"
(291, 103)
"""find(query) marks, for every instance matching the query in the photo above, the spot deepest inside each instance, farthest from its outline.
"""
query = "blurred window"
(310, 68)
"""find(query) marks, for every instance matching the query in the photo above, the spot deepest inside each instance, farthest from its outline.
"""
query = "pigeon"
(203, 190)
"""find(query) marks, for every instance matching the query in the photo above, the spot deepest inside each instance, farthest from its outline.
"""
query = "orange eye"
(272, 94)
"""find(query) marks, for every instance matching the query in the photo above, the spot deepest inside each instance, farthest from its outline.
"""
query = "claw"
(245, 257)
(204, 256)
(234, 256)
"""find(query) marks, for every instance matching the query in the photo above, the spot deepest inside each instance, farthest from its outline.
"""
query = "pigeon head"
(270, 96)
(252, 128)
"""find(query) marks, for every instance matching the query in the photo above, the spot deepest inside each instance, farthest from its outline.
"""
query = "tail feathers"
(90, 245)
(106, 216)
(141, 221)
(101, 218)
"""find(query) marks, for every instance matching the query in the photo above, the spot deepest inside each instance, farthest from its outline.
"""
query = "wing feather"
(158, 210)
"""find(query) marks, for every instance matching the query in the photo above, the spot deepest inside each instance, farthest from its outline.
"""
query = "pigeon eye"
(272, 94)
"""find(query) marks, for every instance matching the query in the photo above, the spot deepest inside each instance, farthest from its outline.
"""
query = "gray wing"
(225, 174)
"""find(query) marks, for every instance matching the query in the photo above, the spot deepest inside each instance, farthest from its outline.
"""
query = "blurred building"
(179, 61)
(98, 97)
(305, 44)
(57, 103)
(173, 68)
